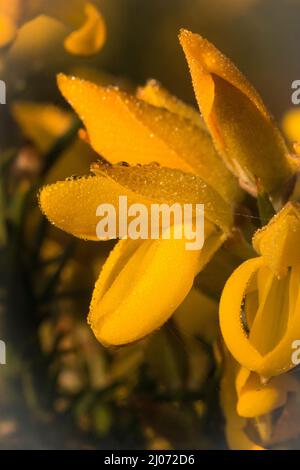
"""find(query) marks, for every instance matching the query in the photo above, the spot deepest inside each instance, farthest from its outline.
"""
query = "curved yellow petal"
(257, 398)
(291, 124)
(235, 428)
(267, 348)
(90, 37)
(271, 318)
(241, 378)
(71, 205)
(140, 286)
(243, 130)
(8, 30)
(279, 359)
(231, 315)
(124, 128)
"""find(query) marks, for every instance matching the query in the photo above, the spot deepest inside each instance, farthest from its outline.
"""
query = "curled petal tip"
(90, 37)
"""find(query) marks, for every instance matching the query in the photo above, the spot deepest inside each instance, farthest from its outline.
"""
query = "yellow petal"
(9, 15)
(90, 37)
(71, 205)
(257, 399)
(242, 375)
(243, 130)
(271, 318)
(120, 127)
(37, 39)
(42, 123)
(170, 185)
(8, 30)
(154, 93)
(279, 359)
(291, 124)
(11, 8)
(140, 286)
(278, 242)
(235, 425)
(123, 128)
(231, 315)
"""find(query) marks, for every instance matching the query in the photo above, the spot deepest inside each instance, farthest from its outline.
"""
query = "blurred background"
(60, 388)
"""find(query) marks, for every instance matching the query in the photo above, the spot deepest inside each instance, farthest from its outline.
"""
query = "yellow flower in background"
(259, 309)
(143, 281)
(248, 405)
(84, 25)
(258, 398)
(235, 425)
(43, 124)
(90, 37)
(291, 124)
(9, 16)
(242, 129)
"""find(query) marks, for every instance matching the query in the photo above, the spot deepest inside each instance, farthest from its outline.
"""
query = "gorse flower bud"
(242, 129)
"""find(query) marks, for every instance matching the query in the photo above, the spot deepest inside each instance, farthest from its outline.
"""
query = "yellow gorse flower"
(85, 30)
(175, 155)
(143, 281)
(259, 309)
